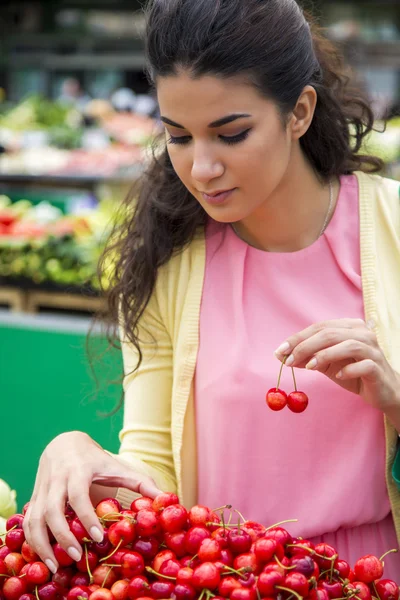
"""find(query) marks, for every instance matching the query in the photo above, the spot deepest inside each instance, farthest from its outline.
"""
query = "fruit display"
(44, 137)
(277, 399)
(41, 245)
(158, 549)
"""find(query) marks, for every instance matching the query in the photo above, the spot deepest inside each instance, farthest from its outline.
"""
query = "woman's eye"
(226, 139)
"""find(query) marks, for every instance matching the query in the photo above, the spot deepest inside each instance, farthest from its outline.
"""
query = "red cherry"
(176, 542)
(101, 594)
(109, 507)
(104, 576)
(199, 515)
(239, 541)
(368, 568)
(387, 589)
(132, 564)
(297, 402)
(184, 591)
(120, 590)
(318, 594)
(28, 553)
(185, 575)
(14, 539)
(268, 581)
(138, 586)
(148, 547)
(334, 588)
(276, 399)
(163, 500)
(63, 577)
(325, 555)
(63, 559)
(298, 583)
(362, 590)
(161, 589)
(162, 557)
(266, 548)
(15, 521)
(227, 585)
(209, 550)
(122, 532)
(194, 537)
(37, 573)
(14, 587)
(78, 530)
(173, 518)
(79, 592)
(142, 503)
(206, 575)
(343, 568)
(148, 522)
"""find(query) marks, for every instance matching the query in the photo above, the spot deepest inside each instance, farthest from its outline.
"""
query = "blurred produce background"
(77, 117)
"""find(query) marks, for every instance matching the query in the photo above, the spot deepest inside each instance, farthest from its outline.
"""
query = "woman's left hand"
(346, 351)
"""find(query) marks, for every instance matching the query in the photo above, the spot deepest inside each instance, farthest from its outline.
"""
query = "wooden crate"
(37, 300)
(14, 298)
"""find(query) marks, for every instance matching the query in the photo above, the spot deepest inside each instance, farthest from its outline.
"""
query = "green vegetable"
(8, 505)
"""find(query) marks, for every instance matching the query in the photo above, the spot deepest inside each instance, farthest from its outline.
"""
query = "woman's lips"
(217, 198)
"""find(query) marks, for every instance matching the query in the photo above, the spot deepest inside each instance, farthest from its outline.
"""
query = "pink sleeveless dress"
(326, 466)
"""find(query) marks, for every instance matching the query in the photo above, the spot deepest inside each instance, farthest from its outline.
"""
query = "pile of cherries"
(159, 550)
(277, 399)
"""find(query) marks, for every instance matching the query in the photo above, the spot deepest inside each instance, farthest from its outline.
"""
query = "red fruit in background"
(254, 529)
(368, 568)
(194, 537)
(63, 559)
(148, 547)
(170, 568)
(162, 557)
(266, 548)
(14, 539)
(104, 576)
(276, 399)
(108, 507)
(174, 518)
(138, 586)
(184, 591)
(334, 589)
(122, 532)
(244, 594)
(207, 576)
(63, 577)
(297, 402)
(37, 573)
(120, 590)
(227, 585)
(387, 589)
(78, 530)
(13, 588)
(246, 561)
(362, 590)
(4, 551)
(268, 581)
(14, 562)
(239, 541)
(143, 503)
(7, 217)
(161, 589)
(184, 575)
(176, 542)
(199, 515)
(148, 523)
(79, 592)
(28, 553)
(318, 594)
(279, 534)
(303, 564)
(132, 564)
(14, 521)
(164, 500)
(89, 559)
(50, 591)
(80, 579)
(101, 594)
(327, 554)
(209, 550)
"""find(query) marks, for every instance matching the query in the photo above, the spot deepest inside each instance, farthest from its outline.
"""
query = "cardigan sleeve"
(145, 438)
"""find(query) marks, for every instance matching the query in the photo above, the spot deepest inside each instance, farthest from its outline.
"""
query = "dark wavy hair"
(277, 48)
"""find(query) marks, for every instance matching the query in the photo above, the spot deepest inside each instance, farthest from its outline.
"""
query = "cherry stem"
(240, 572)
(280, 372)
(240, 515)
(285, 589)
(36, 593)
(87, 565)
(106, 577)
(282, 565)
(386, 553)
(111, 516)
(227, 506)
(294, 380)
(375, 590)
(281, 523)
(113, 552)
(153, 572)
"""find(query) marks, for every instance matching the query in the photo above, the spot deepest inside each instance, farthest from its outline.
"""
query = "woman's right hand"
(68, 467)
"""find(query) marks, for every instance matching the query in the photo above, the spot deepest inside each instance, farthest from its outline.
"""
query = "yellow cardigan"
(159, 435)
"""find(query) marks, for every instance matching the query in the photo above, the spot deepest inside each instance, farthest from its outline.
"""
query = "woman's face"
(223, 136)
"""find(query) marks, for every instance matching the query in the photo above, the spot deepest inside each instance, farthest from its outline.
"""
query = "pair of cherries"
(277, 399)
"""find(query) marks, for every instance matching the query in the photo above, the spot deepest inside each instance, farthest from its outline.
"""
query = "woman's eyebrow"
(218, 123)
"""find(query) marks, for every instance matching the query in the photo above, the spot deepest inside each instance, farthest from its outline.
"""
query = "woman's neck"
(293, 216)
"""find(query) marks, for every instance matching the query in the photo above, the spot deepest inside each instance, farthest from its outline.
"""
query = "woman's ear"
(303, 112)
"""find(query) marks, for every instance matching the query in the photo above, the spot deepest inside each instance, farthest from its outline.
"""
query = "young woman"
(260, 236)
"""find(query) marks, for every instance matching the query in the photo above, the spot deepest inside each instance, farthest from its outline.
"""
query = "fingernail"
(312, 364)
(50, 565)
(339, 375)
(283, 348)
(74, 553)
(96, 534)
(289, 361)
